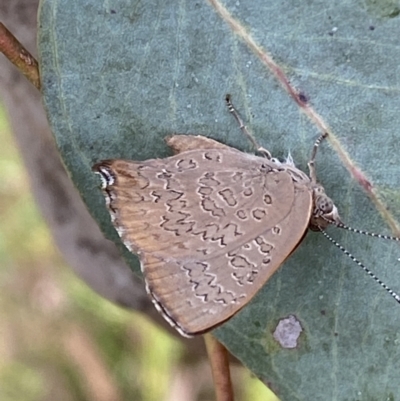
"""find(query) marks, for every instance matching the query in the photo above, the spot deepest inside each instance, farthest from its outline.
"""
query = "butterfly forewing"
(212, 289)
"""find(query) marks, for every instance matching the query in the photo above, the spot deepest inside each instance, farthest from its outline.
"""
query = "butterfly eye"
(325, 204)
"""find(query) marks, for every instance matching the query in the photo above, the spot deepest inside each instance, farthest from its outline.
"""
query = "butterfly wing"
(209, 225)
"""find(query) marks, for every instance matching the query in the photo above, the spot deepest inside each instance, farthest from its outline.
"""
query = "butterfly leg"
(311, 163)
(244, 129)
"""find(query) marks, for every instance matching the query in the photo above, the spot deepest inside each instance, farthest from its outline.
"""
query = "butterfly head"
(324, 211)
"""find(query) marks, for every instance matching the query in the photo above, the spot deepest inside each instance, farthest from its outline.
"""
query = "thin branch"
(19, 56)
(218, 356)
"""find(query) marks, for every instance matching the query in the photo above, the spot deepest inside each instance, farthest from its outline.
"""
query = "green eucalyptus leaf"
(120, 76)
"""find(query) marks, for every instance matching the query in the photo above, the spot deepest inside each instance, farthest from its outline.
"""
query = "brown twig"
(218, 356)
(19, 56)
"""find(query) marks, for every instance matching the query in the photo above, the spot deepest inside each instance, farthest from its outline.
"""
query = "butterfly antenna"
(356, 230)
(244, 129)
(369, 272)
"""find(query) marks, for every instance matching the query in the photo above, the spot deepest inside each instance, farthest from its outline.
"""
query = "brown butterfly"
(212, 224)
